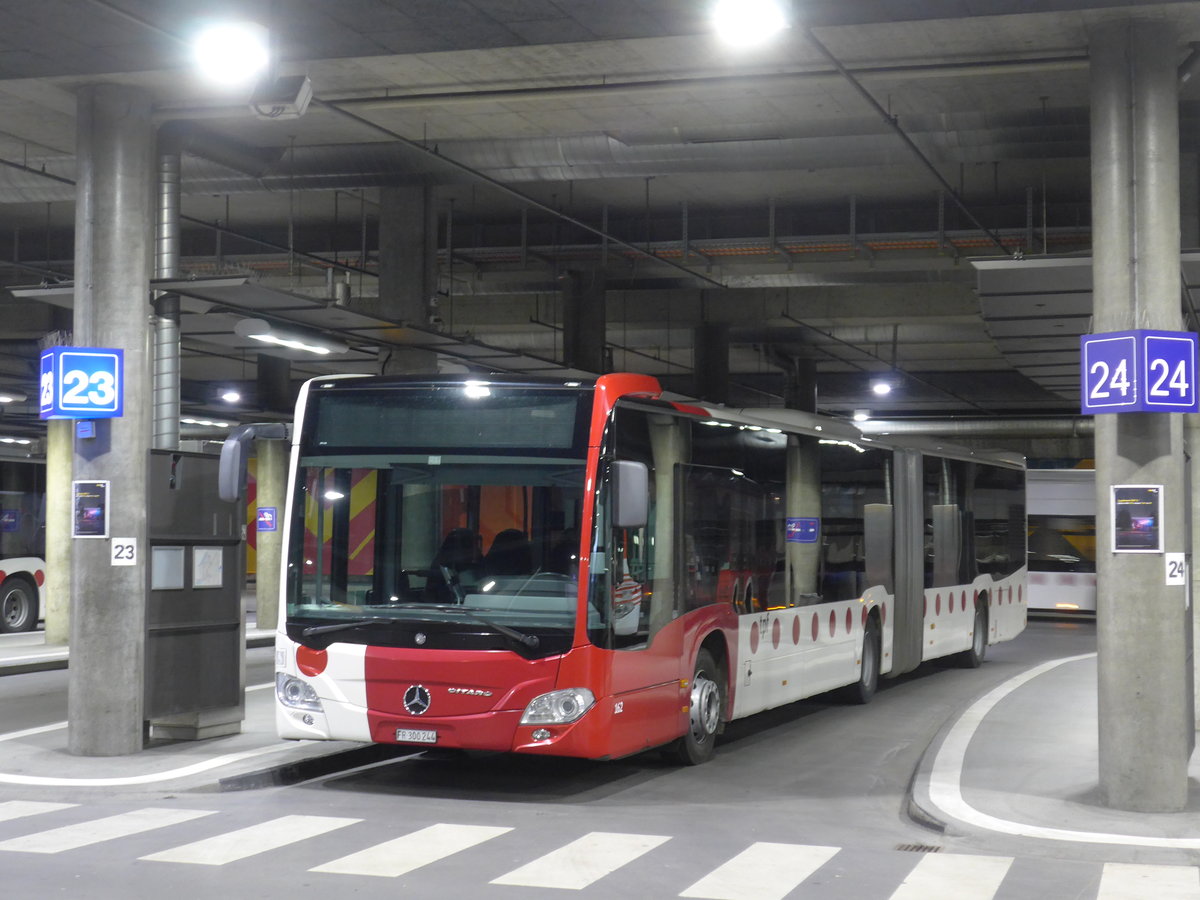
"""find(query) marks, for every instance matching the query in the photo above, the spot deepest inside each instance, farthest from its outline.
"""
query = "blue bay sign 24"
(1138, 371)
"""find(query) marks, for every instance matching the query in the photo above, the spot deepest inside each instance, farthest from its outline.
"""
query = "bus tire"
(972, 658)
(705, 707)
(868, 672)
(18, 605)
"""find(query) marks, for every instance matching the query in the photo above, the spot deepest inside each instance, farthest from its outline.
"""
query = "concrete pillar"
(56, 592)
(711, 361)
(408, 244)
(584, 320)
(113, 260)
(1146, 723)
(800, 387)
(271, 490)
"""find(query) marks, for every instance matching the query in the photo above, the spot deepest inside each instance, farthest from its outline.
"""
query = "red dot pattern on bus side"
(1020, 593)
(776, 632)
(832, 623)
(882, 613)
(816, 627)
(937, 605)
(754, 638)
(796, 631)
(964, 601)
(864, 617)
(40, 577)
(850, 620)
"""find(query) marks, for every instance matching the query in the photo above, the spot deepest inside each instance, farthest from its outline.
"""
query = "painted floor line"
(149, 778)
(945, 778)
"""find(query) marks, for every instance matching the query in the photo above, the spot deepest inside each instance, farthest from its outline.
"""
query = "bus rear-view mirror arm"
(231, 475)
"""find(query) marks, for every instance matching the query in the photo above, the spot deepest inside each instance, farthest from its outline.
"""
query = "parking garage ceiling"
(825, 195)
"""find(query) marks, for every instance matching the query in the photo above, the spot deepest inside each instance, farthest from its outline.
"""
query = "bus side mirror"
(231, 474)
(631, 494)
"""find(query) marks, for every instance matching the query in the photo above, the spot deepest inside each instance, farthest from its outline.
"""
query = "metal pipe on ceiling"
(1079, 426)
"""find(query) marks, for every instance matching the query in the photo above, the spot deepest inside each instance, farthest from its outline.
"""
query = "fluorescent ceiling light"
(746, 23)
(8, 395)
(882, 388)
(231, 396)
(232, 54)
(861, 415)
(207, 423)
(477, 389)
(15, 440)
(283, 336)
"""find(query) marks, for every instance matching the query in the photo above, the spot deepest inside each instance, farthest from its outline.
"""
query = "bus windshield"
(417, 508)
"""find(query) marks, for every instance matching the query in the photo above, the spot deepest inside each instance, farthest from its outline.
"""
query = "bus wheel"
(868, 675)
(971, 659)
(18, 606)
(704, 713)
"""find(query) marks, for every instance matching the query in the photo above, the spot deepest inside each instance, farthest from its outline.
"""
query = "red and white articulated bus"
(593, 569)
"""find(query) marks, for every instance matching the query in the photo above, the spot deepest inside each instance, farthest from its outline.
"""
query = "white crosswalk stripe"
(393, 858)
(81, 834)
(762, 871)
(582, 862)
(954, 877)
(235, 845)
(1126, 881)
(18, 809)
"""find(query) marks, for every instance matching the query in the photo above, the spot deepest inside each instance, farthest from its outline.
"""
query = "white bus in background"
(22, 542)
(1062, 540)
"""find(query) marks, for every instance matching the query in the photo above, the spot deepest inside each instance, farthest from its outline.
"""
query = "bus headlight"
(296, 693)
(558, 707)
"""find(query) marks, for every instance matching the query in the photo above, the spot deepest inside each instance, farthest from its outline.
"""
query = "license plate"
(416, 736)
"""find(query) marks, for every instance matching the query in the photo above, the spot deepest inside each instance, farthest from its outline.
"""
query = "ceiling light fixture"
(15, 440)
(231, 396)
(747, 23)
(280, 336)
(207, 423)
(881, 387)
(862, 415)
(7, 395)
(232, 54)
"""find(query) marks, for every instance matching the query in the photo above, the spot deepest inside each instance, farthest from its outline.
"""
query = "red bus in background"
(595, 569)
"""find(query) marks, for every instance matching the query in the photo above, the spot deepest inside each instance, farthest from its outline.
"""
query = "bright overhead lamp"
(881, 387)
(232, 54)
(282, 336)
(206, 423)
(15, 440)
(476, 389)
(747, 23)
(8, 395)
(231, 396)
(862, 415)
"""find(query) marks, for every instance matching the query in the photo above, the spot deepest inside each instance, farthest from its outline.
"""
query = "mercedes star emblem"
(416, 699)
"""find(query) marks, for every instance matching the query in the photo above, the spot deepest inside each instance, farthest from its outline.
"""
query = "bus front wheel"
(704, 713)
(18, 606)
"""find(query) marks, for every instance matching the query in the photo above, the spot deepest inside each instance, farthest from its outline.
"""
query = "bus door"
(633, 595)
